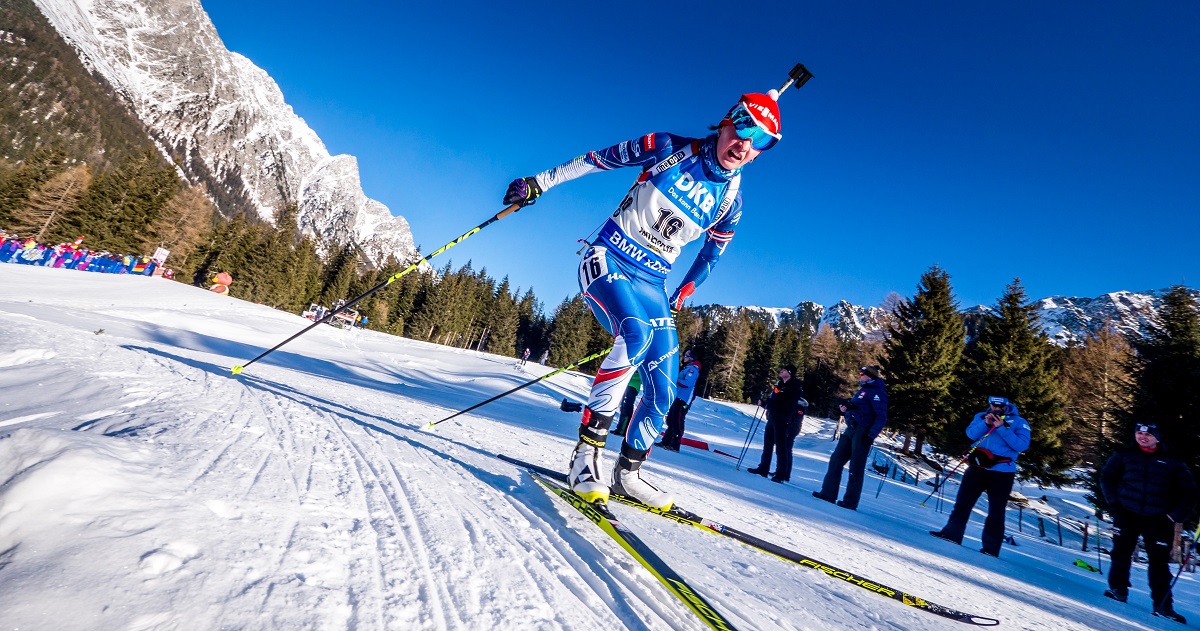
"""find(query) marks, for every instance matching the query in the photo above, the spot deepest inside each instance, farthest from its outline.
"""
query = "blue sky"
(1058, 142)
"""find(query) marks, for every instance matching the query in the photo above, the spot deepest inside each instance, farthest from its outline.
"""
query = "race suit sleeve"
(639, 152)
(715, 240)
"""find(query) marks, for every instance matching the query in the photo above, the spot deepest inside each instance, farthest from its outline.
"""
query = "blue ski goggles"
(748, 128)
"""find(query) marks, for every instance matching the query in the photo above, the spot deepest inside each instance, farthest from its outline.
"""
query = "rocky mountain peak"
(223, 120)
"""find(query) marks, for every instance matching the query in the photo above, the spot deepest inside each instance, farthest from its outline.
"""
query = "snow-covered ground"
(144, 487)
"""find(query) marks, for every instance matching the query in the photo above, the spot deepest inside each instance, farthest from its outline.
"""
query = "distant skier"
(688, 188)
(524, 357)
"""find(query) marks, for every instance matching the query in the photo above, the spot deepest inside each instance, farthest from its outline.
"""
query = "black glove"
(523, 191)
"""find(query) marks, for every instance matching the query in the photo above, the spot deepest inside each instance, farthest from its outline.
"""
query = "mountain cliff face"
(1065, 320)
(223, 120)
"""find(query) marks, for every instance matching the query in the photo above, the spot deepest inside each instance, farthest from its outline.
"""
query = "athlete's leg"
(611, 298)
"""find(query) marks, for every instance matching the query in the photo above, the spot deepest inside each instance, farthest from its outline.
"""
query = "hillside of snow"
(144, 487)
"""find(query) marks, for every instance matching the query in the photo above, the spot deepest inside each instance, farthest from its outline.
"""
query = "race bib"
(594, 265)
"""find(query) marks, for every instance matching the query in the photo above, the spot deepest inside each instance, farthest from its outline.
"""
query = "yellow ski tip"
(237, 370)
(429, 427)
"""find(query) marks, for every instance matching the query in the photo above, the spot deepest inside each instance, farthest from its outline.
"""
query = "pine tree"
(1012, 357)
(49, 202)
(1098, 387)
(922, 350)
(730, 343)
(1167, 378)
(16, 186)
(120, 205)
(824, 379)
(340, 270)
(570, 331)
(181, 226)
(502, 321)
(761, 363)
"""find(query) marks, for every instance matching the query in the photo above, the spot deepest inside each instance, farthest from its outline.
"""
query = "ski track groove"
(414, 549)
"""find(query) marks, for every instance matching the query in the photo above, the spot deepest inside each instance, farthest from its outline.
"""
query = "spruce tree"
(1012, 357)
(502, 321)
(922, 350)
(730, 343)
(824, 378)
(570, 331)
(1167, 378)
(120, 206)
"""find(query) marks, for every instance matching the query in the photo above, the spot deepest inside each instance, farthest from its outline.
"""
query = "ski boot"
(1119, 594)
(584, 473)
(1167, 610)
(628, 482)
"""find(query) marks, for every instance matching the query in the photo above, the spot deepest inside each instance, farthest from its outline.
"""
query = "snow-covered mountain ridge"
(1064, 319)
(224, 119)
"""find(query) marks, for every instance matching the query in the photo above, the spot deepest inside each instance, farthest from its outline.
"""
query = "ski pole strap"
(236, 370)
(524, 385)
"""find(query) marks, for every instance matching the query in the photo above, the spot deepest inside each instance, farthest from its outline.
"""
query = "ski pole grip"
(508, 211)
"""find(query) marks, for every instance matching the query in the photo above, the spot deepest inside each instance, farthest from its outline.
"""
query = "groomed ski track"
(143, 487)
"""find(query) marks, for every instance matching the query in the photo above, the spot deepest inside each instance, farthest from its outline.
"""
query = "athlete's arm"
(640, 151)
(715, 240)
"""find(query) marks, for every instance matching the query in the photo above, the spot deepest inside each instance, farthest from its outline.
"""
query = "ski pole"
(965, 457)
(329, 316)
(1191, 549)
(749, 439)
(522, 386)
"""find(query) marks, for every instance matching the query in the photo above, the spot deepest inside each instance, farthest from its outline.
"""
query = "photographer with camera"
(782, 406)
(866, 415)
(1000, 435)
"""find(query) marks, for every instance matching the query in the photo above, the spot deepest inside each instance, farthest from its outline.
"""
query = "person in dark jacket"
(781, 405)
(1000, 435)
(866, 415)
(1148, 492)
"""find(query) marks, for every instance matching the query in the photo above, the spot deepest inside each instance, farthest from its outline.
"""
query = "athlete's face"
(734, 152)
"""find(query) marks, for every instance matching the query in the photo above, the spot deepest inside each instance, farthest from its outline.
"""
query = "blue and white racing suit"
(681, 195)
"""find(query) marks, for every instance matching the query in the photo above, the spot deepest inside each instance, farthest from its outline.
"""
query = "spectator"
(685, 388)
(866, 414)
(1148, 492)
(778, 438)
(1001, 435)
(545, 357)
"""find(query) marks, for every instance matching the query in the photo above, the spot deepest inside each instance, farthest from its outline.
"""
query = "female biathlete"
(688, 187)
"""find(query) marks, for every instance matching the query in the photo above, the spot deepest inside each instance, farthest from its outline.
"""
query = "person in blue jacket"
(1000, 435)
(866, 415)
(688, 189)
(686, 386)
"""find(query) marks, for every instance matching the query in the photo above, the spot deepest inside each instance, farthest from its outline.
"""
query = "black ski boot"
(1119, 594)
(1167, 610)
